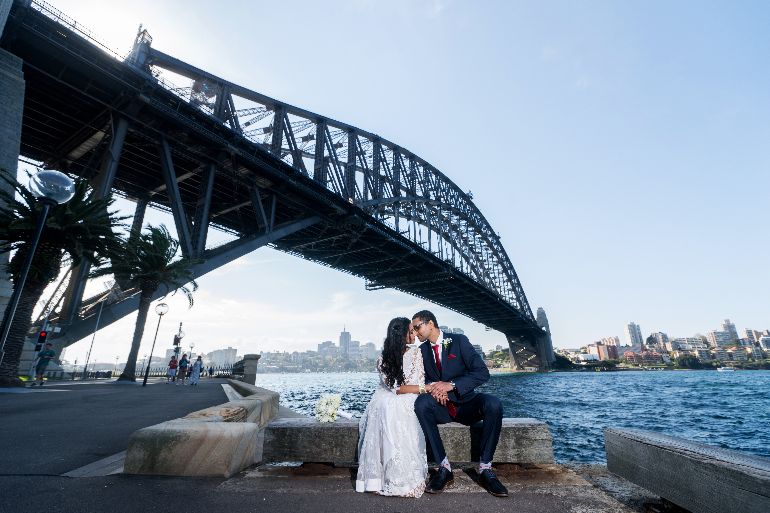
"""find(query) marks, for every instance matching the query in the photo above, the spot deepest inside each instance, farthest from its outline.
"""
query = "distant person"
(44, 357)
(184, 363)
(195, 371)
(172, 368)
(211, 371)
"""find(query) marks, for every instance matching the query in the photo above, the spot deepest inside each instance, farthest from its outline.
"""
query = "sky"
(619, 148)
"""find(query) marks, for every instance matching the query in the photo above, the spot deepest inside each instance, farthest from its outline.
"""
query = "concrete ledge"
(184, 448)
(307, 440)
(698, 477)
(216, 441)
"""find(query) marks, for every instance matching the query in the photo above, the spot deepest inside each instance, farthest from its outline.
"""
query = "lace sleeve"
(420, 369)
(414, 372)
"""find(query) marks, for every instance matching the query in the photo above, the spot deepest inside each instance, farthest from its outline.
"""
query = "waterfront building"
(222, 357)
(660, 339)
(753, 335)
(718, 338)
(703, 354)
(685, 344)
(720, 354)
(764, 342)
(738, 355)
(606, 352)
(753, 352)
(327, 349)
(345, 339)
(586, 357)
(479, 350)
(354, 350)
(368, 351)
(611, 341)
(643, 357)
(634, 334)
(729, 328)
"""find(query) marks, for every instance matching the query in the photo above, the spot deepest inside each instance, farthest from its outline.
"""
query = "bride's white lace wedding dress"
(391, 445)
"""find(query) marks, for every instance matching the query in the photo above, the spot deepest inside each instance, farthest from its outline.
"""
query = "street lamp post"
(51, 188)
(161, 309)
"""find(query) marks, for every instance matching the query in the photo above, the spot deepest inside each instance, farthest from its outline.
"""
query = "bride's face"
(410, 335)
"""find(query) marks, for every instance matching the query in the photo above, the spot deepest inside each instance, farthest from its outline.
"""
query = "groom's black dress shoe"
(488, 480)
(442, 480)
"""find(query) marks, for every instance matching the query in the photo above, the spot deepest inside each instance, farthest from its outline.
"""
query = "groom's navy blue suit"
(462, 364)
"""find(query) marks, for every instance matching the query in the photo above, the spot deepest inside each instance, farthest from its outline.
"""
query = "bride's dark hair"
(393, 351)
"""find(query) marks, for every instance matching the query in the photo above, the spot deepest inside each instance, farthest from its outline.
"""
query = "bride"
(391, 446)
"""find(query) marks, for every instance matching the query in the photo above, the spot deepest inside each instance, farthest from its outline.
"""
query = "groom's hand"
(439, 391)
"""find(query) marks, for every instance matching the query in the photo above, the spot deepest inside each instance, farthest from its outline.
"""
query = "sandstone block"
(190, 448)
(307, 440)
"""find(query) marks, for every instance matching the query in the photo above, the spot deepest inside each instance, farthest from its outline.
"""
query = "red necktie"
(449, 404)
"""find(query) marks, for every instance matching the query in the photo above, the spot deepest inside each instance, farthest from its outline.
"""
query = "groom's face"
(421, 328)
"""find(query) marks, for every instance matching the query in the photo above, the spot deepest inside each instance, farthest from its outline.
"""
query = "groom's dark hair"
(425, 316)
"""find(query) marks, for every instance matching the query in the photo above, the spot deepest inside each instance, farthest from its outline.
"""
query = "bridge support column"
(102, 184)
(11, 109)
(523, 353)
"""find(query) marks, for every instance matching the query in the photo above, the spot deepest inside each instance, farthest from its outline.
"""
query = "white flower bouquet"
(327, 406)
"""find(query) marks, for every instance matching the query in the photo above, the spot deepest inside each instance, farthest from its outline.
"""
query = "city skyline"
(617, 133)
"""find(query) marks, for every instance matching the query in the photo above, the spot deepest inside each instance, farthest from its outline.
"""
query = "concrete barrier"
(216, 441)
(698, 477)
(522, 440)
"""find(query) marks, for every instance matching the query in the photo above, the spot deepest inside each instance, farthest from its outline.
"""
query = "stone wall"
(11, 109)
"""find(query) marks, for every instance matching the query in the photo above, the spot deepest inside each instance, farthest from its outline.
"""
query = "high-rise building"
(729, 328)
(719, 338)
(327, 348)
(344, 342)
(368, 351)
(755, 335)
(611, 341)
(479, 350)
(634, 334)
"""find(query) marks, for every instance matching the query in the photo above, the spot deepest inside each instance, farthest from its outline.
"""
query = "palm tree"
(147, 262)
(83, 228)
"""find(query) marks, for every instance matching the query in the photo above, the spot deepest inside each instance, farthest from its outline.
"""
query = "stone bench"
(216, 441)
(698, 477)
(522, 440)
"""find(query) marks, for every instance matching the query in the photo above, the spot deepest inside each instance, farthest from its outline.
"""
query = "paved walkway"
(49, 432)
(60, 427)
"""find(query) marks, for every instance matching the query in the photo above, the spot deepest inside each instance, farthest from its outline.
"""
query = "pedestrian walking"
(195, 371)
(211, 371)
(184, 363)
(172, 368)
(44, 357)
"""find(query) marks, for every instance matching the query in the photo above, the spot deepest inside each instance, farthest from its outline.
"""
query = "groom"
(453, 370)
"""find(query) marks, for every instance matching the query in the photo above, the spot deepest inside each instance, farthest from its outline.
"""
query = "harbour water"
(726, 409)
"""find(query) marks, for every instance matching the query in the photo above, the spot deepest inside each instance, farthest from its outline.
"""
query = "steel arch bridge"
(218, 155)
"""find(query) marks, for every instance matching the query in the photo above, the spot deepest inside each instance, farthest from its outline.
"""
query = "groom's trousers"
(482, 407)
